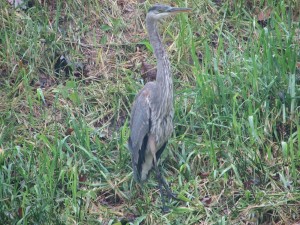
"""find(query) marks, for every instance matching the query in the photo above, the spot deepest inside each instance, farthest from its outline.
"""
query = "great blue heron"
(152, 112)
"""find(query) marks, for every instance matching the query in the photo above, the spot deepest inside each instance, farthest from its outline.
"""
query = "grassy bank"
(234, 155)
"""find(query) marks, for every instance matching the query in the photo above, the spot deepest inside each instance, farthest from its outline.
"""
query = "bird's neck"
(164, 75)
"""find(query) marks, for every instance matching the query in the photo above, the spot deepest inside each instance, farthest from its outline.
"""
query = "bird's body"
(152, 112)
(155, 130)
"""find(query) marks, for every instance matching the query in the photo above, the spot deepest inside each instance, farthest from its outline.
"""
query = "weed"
(234, 154)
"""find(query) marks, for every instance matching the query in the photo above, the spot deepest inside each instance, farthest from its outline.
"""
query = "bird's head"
(158, 12)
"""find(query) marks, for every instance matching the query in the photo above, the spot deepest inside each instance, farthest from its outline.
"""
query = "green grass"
(234, 155)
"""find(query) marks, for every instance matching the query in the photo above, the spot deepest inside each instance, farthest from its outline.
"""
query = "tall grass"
(234, 154)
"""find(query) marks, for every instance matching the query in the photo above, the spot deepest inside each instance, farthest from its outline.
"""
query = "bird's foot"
(172, 195)
(169, 193)
(165, 209)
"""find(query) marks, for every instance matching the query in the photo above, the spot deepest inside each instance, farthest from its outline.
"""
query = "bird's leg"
(164, 182)
(152, 145)
(165, 209)
(170, 194)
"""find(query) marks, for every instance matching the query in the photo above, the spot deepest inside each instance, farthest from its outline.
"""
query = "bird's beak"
(178, 10)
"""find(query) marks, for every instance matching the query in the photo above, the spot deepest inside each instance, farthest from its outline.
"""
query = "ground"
(69, 71)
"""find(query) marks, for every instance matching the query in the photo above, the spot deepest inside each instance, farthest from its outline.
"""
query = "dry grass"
(234, 155)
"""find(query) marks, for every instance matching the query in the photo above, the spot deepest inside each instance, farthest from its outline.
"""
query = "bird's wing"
(140, 125)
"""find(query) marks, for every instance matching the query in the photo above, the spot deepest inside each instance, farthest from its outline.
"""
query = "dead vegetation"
(233, 158)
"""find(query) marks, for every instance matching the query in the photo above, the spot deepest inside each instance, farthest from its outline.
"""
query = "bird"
(152, 112)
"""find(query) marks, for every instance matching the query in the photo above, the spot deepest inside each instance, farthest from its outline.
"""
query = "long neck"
(164, 75)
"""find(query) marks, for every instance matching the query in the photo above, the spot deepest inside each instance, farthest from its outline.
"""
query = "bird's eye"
(160, 10)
